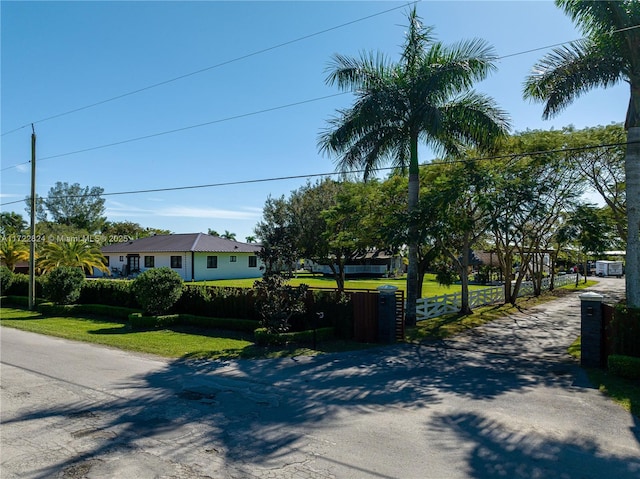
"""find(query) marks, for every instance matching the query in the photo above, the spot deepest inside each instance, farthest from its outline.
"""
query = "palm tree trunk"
(632, 169)
(412, 268)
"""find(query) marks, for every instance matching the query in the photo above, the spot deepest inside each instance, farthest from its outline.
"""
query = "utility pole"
(32, 243)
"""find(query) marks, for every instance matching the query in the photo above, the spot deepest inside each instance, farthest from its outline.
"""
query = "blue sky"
(61, 56)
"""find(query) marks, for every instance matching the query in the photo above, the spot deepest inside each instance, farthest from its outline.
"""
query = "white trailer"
(609, 268)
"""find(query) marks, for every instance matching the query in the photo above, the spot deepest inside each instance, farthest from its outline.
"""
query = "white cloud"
(117, 209)
(189, 212)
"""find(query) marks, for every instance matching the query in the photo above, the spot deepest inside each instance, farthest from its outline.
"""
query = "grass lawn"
(430, 286)
(179, 342)
(186, 342)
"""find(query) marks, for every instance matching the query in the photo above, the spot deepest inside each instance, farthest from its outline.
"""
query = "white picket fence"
(435, 306)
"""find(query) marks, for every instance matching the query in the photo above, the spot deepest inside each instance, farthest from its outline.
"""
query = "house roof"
(196, 242)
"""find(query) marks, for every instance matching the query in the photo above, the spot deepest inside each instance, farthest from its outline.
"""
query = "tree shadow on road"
(494, 449)
(256, 412)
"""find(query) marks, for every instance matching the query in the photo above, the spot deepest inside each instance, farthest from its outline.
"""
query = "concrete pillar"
(387, 313)
(591, 330)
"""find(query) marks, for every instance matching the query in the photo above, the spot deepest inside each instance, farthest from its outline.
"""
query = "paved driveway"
(504, 400)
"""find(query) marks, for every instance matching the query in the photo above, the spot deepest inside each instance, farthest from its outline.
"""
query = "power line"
(211, 67)
(560, 44)
(514, 156)
(176, 130)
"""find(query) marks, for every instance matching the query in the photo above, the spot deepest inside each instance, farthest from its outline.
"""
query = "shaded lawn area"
(177, 342)
(168, 343)
(452, 324)
(625, 392)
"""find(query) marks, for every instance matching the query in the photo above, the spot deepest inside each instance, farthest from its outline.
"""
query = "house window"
(149, 261)
(253, 261)
(212, 261)
(106, 261)
(233, 259)
(121, 259)
(176, 262)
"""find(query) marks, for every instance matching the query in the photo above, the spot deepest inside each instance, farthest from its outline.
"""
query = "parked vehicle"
(609, 268)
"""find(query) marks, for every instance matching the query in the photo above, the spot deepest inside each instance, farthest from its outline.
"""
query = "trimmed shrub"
(113, 292)
(215, 301)
(20, 285)
(624, 366)
(140, 321)
(22, 301)
(6, 278)
(228, 324)
(157, 290)
(278, 302)
(63, 284)
(112, 313)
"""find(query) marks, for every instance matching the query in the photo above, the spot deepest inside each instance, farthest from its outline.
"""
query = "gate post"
(387, 313)
(591, 330)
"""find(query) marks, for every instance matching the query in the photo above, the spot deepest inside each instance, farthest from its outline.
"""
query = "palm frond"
(568, 72)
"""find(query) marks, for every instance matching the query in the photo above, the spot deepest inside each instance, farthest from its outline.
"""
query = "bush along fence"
(436, 306)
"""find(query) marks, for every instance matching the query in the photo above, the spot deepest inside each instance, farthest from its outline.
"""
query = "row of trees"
(427, 96)
(520, 206)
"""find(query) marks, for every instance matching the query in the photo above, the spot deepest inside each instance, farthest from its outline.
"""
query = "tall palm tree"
(12, 252)
(77, 254)
(609, 54)
(228, 235)
(425, 97)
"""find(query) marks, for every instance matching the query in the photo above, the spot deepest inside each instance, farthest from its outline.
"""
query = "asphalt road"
(504, 400)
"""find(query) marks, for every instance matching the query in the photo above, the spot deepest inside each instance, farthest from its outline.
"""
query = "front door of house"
(133, 263)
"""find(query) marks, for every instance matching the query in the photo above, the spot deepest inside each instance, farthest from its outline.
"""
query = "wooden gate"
(365, 316)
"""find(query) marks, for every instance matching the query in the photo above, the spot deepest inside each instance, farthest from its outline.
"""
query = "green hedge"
(140, 321)
(220, 302)
(624, 366)
(19, 286)
(113, 292)
(22, 301)
(263, 337)
(101, 310)
(626, 331)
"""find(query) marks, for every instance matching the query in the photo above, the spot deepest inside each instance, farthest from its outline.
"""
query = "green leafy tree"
(73, 253)
(589, 230)
(309, 205)
(11, 223)
(73, 205)
(603, 166)
(62, 285)
(530, 192)
(278, 235)
(459, 214)
(609, 54)
(157, 290)
(427, 97)
(117, 230)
